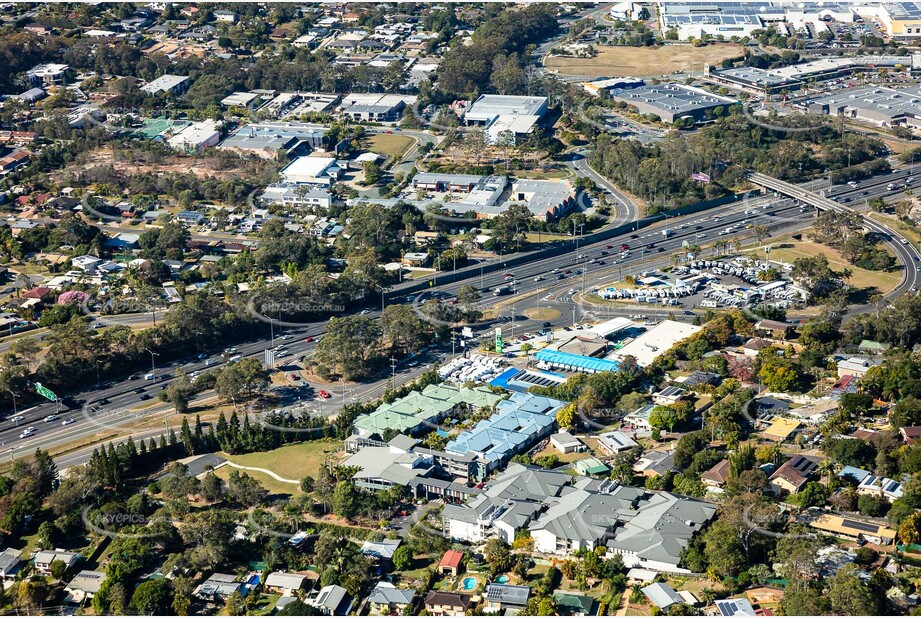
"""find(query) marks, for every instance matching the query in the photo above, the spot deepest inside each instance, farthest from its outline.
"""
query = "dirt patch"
(542, 313)
(644, 61)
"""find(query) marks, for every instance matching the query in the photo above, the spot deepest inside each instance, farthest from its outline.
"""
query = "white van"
(235, 359)
(149, 376)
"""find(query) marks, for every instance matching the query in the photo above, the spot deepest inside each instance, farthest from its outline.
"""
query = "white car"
(68, 421)
(28, 431)
(17, 418)
(281, 354)
(286, 337)
(51, 417)
(538, 278)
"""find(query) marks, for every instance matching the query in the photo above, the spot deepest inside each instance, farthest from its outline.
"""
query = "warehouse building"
(885, 107)
(503, 113)
(196, 136)
(267, 139)
(375, 107)
(672, 102)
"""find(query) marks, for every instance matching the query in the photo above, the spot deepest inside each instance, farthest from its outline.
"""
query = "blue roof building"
(575, 362)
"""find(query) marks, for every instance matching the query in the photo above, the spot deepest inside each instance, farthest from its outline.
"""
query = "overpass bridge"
(905, 251)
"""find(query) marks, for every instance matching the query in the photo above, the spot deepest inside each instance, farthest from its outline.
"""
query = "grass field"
(389, 145)
(642, 61)
(294, 461)
(787, 250)
(271, 485)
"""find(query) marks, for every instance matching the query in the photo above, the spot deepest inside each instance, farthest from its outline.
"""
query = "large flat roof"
(655, 342)
(880, 101)
(671, 98)
(488, 106)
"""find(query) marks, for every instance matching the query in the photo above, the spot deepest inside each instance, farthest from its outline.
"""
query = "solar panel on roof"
(859, 525)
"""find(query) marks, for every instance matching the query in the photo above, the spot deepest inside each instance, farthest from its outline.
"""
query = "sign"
(44, 392)
(467, 332)
(498, 341)
(700, 176)
(270, 359)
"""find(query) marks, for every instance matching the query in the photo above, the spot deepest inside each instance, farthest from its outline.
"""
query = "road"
(626, 209)
(119, 397)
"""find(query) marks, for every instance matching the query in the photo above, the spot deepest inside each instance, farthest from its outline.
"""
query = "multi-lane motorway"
(536, 281)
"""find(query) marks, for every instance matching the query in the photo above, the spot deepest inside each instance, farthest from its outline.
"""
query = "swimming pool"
(469, 583)
(502, 579)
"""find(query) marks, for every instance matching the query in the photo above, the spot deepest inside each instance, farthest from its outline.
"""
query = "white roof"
(488, 106)
(655, 342)
(610, 327)
(306, 167)
(239, 99)
(194, 134)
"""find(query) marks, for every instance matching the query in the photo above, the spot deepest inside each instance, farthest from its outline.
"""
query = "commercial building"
(672, 101)
(319, 171)
(246, 100)
(267, 139)
(901, 19)
(498, 114)
(297, 196)
(655, 342)
(885, 107)
(606, 84)
(375, 107)
(727, 19)
(167, 84)
(196, 136)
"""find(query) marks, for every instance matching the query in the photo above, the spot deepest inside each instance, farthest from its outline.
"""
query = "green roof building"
(590, 466)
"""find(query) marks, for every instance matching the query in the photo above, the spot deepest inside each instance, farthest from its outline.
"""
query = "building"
(590, 466)
(854, 366)
(716, 477)
(505, 598)
(14, 160)
(196, 136)
(268, 139)
(655, 463)
(780, 429)
(662, 596)
(286, 584)
(319, 171)
(218, 587)
(10, 559)
(902, 20)
(291, 195)
(375, 107)
(731, 608)
(167, 84)
(614, 442)
(565, 443)
(246, 100)
(48, 75)
(380, 551)
(388, 600)
(671, 102)
(884, 107)
(655, 342)
(84, 585)
(872, 485)
(501, 114)
(639, 418)
(853, 527)
(438, 603)
(604, 84)
(452, 563)
(692, 20)
(793, 475)
(574, 604)
(331, 601)
(43, 559)
(669, 395)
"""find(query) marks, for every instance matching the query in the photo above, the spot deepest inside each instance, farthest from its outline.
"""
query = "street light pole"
(153, 367)
(15, 411)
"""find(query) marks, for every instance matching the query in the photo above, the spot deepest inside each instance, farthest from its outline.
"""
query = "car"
(51, 417)
(144, 397)
(547, 324)
(294, 376)
(538, 278)
(230, 351)
(412, 363)
(17, 418)
(324, 395)
(625, 247)
(555, 270)
(560, 276)
(28, 431)
(286, 337)
(567, 271)
(281, 354)
(309, 339)
(134, 377)
(202, 356)
(98, 324)
(364, 312)
(139, 390)
(634, 236)
(68, 421)
(609, 246)
(604, 253)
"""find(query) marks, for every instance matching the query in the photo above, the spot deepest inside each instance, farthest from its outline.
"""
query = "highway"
(116, 399)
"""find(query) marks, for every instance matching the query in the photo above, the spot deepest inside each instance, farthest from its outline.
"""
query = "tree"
(153, 597)
(372, 172)
(497, 555)
(402, 557)
(850, 596)
(910, 530)
(352, 346)
(242, 379)
(298, 608)
(566, 416)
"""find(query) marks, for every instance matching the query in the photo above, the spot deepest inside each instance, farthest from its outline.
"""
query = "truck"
(666, 232)
(502, 290)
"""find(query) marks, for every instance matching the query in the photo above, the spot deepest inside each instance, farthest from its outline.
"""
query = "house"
(285, 584)
(590, 466)
(852, 527)
(794, 474)
(780, 429)
(43, 559)
(218, 587)
(574, 604)
(190, 217)
(878, 486)
(84, 586)
(14, 160)
(855, 475)
(438, 603)
(10, 559)
(196, 136)
(655, 463)
(49, 74)
(228, 17)
(639, 418)
(167, 84)
(778, 330)
(614, 442)
(668, 396)
(770, 405)
(331, 601)
(380, 551)
(416, 258)
(452, 563)
(565, 443)
(910, 434)
(716, 477)
(503, 597)
(662, 596)
(872, 347)
(387, 599)
(734, 607)
(854, 366)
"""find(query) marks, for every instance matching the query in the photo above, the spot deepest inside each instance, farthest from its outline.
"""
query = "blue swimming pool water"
(469, 583)
(502, 579)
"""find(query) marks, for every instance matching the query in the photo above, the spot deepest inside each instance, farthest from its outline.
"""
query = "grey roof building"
(10, 560)
(672, 101)
(504, 596)
(388, 594)
(662, 595)
(265, 139)
(331, 601)
(171, 84)
(881, 106)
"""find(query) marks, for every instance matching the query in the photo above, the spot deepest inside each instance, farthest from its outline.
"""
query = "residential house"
(565, 443)
(669, 395)
(331, 601)
(879, 486)
(734, 607)
(574, 604)
(854, 366)
(614, 442)
(387, 599)
(43, 559)
(452, 563)
(218, 587)
(590, 466)
(380, 552)
(655, 463)
(774, 328)
(910, 434)
(504, 597)
(286, 584)
(10, 559)
(662, 596)
(438, 603)
(84, 586)
(780, 429)
(639, 418)
(716, 477)
(793, 475)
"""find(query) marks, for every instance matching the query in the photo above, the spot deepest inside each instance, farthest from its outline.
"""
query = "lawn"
(642, 61)
(389, 145)
(271, 485)
(294, 461)
(786, 250)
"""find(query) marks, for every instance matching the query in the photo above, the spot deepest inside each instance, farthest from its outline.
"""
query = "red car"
(624, 247)
(294, 376)
(309, 339)
(324, 395)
